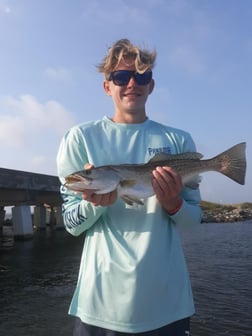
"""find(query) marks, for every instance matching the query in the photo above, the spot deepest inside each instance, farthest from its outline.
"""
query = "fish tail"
(233, 163)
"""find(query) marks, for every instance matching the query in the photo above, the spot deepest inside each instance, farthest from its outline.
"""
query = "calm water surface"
(38, 278)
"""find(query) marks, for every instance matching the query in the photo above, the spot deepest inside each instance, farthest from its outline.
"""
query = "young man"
(133, 277)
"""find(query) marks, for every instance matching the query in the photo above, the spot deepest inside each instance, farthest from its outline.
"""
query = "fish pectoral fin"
(105, 190)
(131, 200)
(193, 183)
(127, 183)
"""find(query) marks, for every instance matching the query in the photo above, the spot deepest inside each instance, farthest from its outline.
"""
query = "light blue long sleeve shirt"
(133, 275)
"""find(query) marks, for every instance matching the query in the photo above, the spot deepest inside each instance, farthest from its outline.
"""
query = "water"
(219, 259)
(38, 278)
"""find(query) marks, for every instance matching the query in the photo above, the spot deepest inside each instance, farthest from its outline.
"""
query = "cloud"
(29, 114)
(59, 74)
(5, 9)
(12, 131)
(30, 132)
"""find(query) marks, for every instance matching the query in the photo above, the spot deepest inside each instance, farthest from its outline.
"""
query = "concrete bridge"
(21, 190)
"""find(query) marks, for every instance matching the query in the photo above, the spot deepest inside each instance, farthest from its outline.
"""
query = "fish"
(134, 181)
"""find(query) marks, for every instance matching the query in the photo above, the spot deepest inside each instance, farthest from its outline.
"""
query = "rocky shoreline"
(226, 214)
(211, 213)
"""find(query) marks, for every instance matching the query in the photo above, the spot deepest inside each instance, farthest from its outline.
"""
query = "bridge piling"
(39, 217)
(59, 217)
(22, 222)
(2, 216)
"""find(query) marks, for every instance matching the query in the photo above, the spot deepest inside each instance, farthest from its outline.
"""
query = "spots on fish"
(225, 163)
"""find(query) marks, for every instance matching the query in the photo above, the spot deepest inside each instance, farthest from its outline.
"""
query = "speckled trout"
(134, 181)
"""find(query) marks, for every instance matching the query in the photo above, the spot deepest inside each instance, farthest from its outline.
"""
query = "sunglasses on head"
(122, 77)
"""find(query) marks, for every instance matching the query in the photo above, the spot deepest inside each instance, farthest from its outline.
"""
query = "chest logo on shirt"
(154, 151)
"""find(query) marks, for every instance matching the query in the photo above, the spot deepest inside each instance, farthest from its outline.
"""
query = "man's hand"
(167, 185)
(98, 199)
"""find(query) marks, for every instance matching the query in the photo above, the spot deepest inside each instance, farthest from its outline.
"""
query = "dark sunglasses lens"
(120, 77)
(144, 78)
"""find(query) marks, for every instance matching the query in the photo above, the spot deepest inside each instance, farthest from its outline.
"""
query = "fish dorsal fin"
(182, 156)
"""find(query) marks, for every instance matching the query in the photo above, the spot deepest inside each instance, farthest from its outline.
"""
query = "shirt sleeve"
(78, 214)
(190, 212)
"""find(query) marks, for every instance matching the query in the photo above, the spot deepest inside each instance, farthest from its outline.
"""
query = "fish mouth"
(78, 178)
(87, 178)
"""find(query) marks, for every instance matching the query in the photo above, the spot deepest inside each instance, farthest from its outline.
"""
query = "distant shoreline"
(212, 213)
(220, 213)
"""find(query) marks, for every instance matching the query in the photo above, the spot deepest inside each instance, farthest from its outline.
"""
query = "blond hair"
(123, 50)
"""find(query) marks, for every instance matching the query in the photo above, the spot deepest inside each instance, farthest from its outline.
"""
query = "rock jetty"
(217, 213)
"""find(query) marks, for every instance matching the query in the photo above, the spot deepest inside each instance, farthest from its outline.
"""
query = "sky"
(49, 50)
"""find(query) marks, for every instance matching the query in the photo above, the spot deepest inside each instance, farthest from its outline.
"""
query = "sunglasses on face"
(122, 77)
